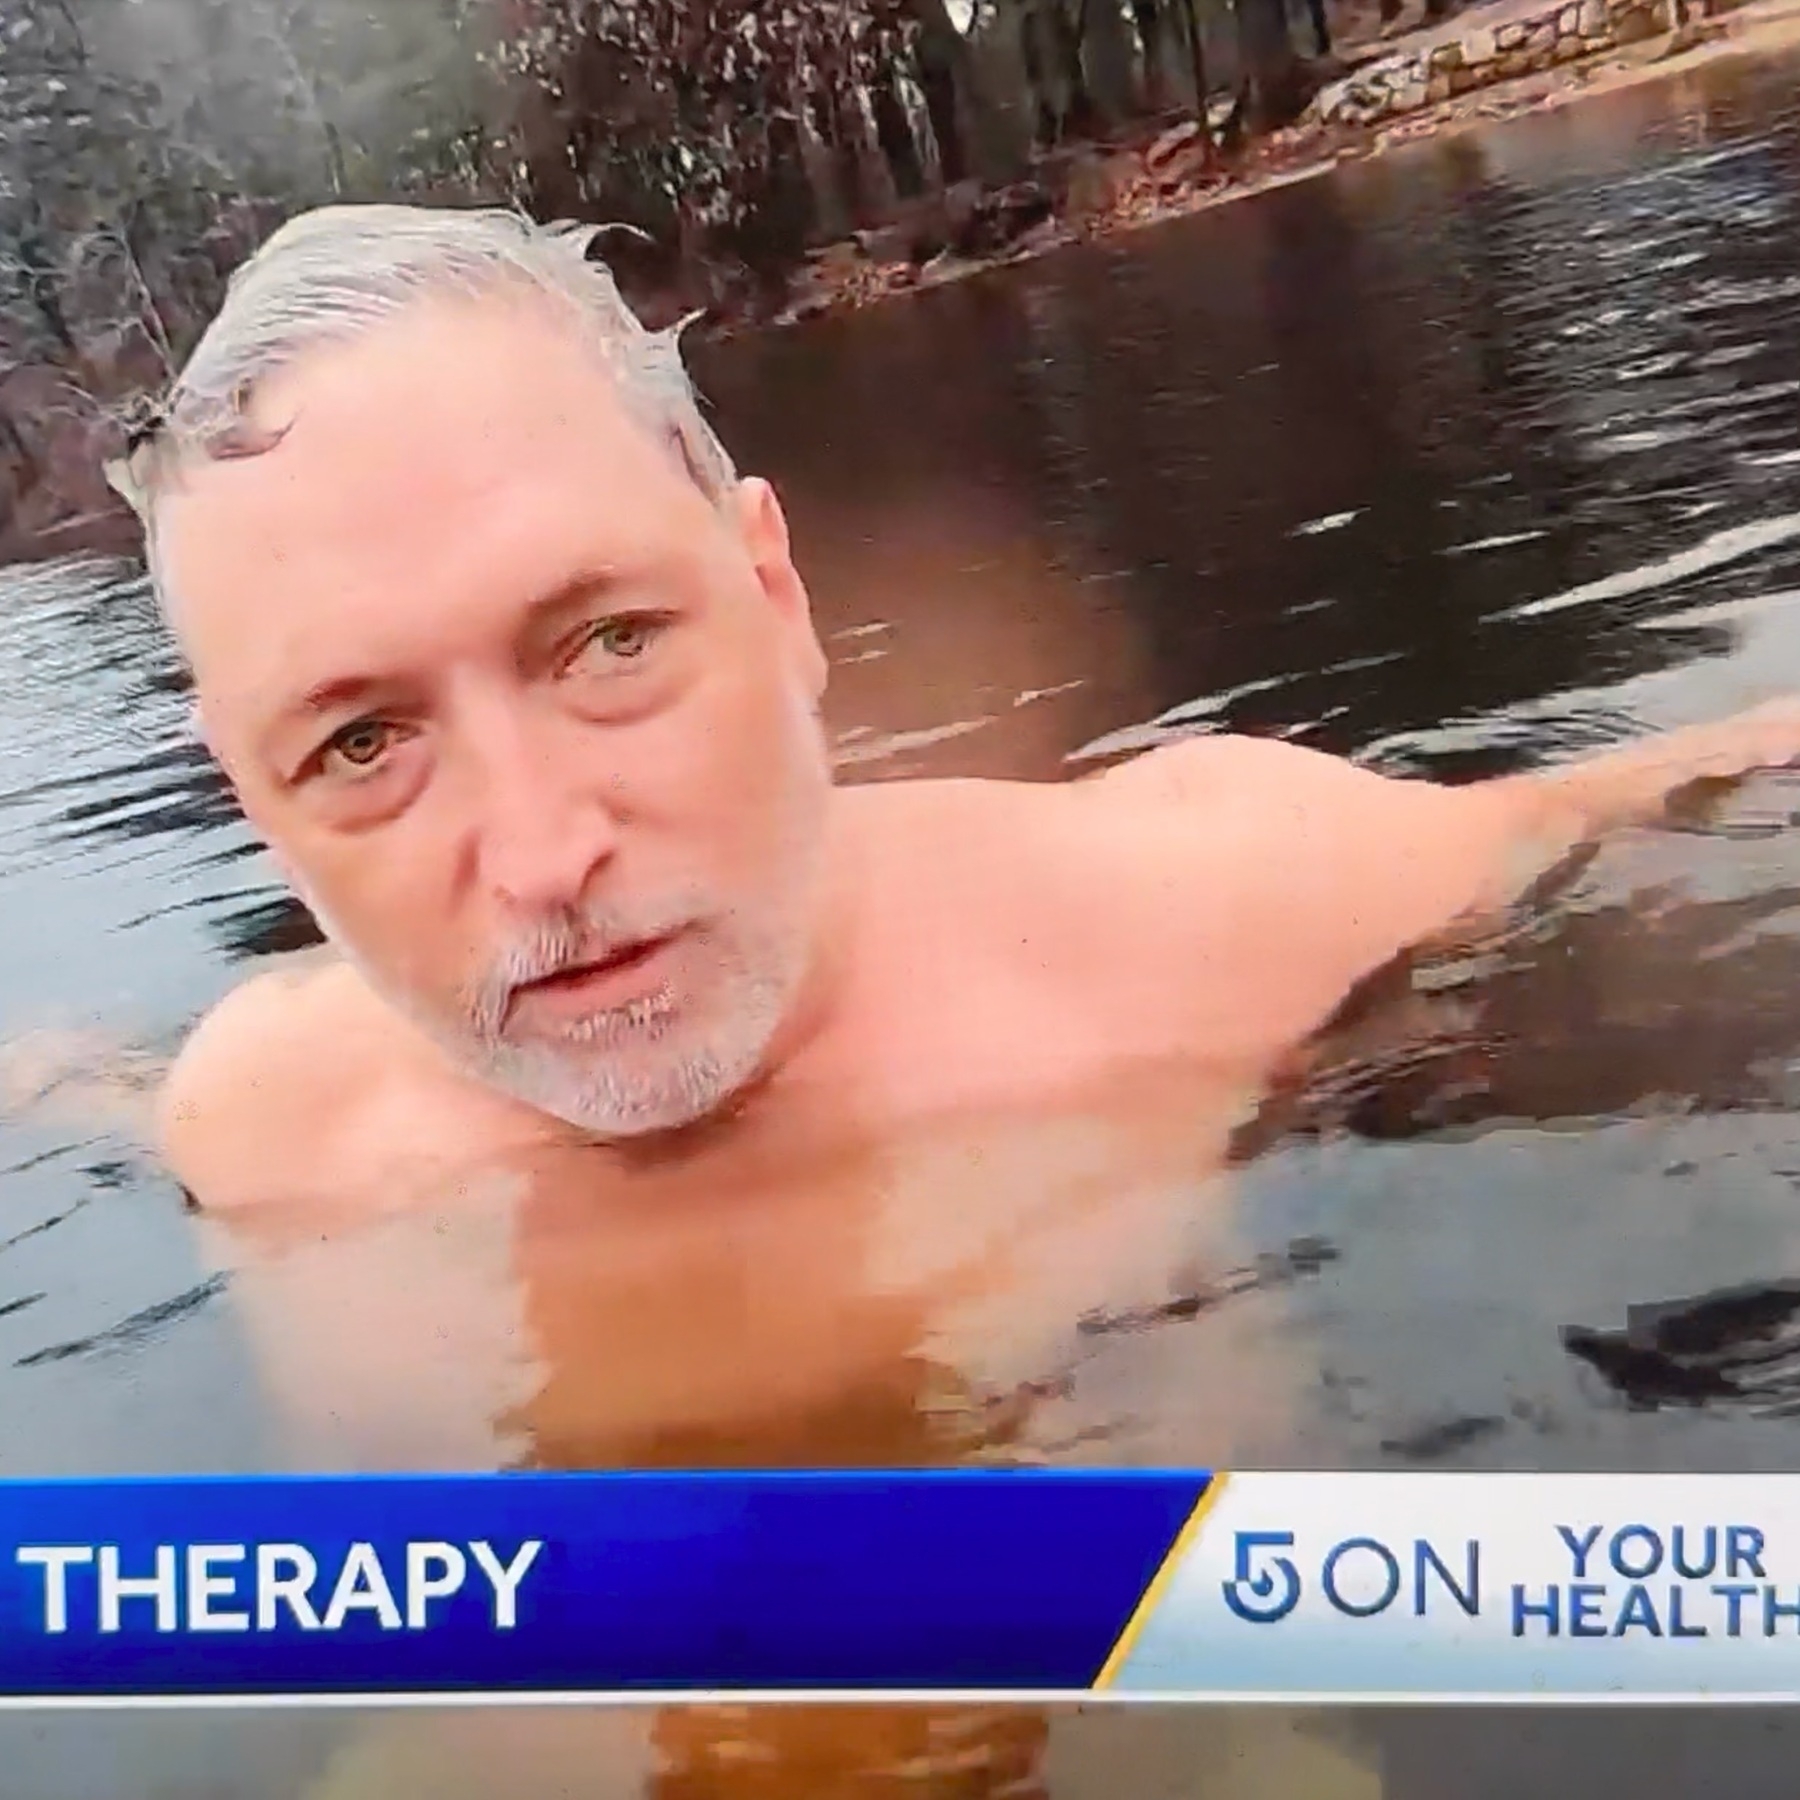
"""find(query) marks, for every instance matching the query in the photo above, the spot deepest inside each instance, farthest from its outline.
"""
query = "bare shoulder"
(268, 1072)
(1250, 791)
(1228, 768)
(1280, 846)
(1199, 799)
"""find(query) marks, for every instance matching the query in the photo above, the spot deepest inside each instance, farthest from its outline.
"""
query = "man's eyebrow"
(590, 584)
(321, 698)
(327, 696)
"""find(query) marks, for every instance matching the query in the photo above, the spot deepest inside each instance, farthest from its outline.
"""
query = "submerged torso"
(916, 1299)
(1029, 1254)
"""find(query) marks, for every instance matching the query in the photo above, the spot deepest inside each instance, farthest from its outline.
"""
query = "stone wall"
(1414, 78)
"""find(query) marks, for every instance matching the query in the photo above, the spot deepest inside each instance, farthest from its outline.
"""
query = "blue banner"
(606, 1584)
(1296, 1587)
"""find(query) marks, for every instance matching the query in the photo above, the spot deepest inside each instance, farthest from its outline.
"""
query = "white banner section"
(1476, 1587)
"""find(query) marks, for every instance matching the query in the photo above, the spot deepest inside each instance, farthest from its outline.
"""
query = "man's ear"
(764, 529)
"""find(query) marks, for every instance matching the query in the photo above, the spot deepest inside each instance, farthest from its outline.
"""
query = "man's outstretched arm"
(1346, 867)
(1635, 784)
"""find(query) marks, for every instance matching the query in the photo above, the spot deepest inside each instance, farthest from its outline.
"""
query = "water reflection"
(1454, 461)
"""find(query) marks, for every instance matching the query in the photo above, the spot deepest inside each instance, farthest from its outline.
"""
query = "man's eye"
(359, 746)
(624, 638)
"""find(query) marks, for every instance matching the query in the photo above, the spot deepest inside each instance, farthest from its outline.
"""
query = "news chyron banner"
(1047, 1585)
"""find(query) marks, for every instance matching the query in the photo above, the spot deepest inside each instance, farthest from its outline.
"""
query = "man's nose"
(546, 825)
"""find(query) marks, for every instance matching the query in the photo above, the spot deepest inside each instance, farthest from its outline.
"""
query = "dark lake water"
(1460, 460)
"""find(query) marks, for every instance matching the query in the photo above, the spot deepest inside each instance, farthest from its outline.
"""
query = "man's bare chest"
(758, 1299)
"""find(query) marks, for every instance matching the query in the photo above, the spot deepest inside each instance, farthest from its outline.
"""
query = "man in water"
(519, 681)
(663, 1102)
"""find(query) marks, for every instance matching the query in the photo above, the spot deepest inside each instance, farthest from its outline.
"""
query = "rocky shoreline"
(1493, 63)
(1485, 55)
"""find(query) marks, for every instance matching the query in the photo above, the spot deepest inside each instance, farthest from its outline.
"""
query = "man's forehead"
(432, 407)
(440, 375)
(453, 450)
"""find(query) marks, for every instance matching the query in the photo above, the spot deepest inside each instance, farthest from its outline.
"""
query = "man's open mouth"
(626, 956)
(622, 974)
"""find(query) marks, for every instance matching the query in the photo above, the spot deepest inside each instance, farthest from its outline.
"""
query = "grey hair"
(330, 274)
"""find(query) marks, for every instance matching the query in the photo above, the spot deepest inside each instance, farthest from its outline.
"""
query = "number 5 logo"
(1263, 1588)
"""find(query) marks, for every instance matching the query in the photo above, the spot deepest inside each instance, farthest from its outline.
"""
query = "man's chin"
(641, 1093)
(680, 1059)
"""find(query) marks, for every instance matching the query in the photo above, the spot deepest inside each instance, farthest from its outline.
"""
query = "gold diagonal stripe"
(1159, 1582)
